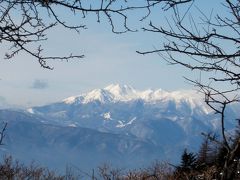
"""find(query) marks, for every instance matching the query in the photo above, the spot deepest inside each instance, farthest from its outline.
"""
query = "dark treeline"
(207, 163)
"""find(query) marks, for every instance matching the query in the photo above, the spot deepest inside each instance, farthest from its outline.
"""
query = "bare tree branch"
(209, 46)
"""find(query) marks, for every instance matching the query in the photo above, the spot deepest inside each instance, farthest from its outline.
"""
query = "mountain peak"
(69, 100)
(117, 88)
(98, 94)
(116, 92)
(121, 92)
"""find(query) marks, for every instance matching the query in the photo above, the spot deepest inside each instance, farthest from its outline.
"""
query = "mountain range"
(118, 124)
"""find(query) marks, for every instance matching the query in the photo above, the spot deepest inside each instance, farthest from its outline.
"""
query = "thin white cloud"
(40, 84)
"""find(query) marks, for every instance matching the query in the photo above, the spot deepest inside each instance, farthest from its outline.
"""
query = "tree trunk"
(230, 165)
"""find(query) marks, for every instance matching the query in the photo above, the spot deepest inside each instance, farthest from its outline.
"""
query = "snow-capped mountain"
(117, 124)
(117, 93)
(116, 107)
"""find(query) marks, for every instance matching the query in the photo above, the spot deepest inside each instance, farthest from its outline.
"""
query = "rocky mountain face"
(117, 124)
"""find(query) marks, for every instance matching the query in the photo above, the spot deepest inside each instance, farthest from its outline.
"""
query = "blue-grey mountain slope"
(118, 124)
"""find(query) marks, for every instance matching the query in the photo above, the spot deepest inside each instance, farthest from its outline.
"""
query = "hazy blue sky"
(110, 58)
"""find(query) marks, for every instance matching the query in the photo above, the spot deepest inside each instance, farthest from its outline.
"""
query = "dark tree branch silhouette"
(210, 47)
(24, 23)
(2, 132)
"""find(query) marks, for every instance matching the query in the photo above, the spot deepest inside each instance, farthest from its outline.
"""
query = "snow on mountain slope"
(117, 93)
(122, 109)
(58, 147)
(115, 124)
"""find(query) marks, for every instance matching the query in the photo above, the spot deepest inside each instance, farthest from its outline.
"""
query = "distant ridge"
(116, 124)
(116, 92)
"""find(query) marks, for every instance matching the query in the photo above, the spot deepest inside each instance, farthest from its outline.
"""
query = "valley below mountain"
(118, 125)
